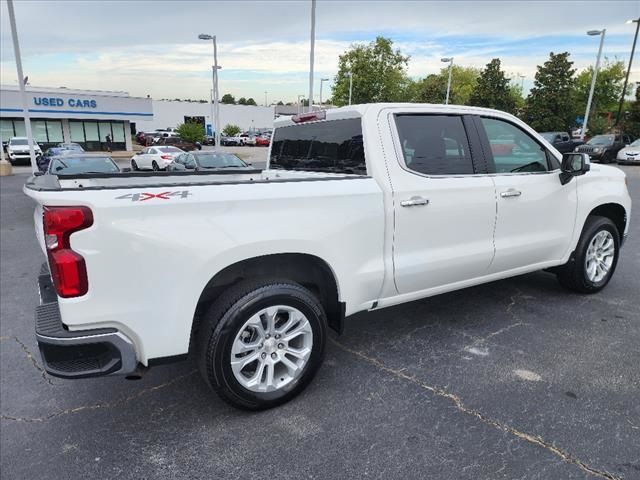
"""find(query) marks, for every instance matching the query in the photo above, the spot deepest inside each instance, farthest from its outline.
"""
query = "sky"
(152, 47)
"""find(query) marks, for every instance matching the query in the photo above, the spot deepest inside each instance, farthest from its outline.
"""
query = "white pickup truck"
(359, 208)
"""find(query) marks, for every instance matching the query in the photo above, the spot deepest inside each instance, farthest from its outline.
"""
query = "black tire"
(155, 166)
(134, 166)
(573, 275)
(227, 315)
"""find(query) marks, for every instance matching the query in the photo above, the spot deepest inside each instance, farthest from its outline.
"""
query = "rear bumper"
(78, 354)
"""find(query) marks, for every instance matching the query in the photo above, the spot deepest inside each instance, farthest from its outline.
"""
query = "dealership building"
(171, 113)
(86, 117)
(79, 116)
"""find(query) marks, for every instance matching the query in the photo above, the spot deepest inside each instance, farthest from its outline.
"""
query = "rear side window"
(333, 146)
(434, 144)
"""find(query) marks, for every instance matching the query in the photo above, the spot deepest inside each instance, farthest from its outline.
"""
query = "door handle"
(414, 202)
(512, 192)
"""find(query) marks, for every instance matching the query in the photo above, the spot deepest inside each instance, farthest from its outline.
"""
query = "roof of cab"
(354, 111)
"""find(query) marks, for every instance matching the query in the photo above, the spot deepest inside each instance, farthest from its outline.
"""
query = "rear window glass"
(75, 165)
(168, 149)
(333, 146)
(434, 144)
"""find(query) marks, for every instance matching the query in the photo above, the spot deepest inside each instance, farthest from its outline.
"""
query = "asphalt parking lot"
(514, 379)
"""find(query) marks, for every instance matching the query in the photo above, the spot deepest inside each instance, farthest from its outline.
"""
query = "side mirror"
(573, 165)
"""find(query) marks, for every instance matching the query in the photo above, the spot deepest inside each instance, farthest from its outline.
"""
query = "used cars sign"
(59, 102)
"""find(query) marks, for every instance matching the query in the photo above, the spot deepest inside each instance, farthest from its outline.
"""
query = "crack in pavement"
(34, 361)
(97, 406)
(533, 439)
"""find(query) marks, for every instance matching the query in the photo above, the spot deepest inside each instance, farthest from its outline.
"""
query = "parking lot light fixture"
(322, 80)
(593, 33)
(448, 60)
(626, 78)
(215, 108)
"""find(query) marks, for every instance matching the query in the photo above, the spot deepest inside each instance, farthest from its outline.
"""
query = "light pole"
(300, 109)
(322, 80)
(521, 83)
(215, 107)
(626, 79)
(21, 83)
(450, 61)
(350, 75)
(593, 33)
(311, 52)
(265, 98)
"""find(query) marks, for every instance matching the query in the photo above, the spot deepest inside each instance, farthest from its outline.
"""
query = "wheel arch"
(614, 212)
(308, 270)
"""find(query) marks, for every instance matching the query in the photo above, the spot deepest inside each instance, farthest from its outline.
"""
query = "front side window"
(512, 149)
(333, 146)
(434, 144)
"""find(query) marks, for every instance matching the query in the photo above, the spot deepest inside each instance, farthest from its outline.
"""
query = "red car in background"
(263, 141)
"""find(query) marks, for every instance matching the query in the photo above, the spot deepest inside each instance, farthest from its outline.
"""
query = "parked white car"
(360, 208)
(18, 150)
(630, 154)
(154, 158)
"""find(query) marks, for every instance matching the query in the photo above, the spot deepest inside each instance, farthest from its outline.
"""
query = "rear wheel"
(261, 343)
(595, 258)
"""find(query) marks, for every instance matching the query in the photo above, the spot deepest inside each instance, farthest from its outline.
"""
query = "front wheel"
(595, 258)
(155, 166)
(261, 343)
(134, 166)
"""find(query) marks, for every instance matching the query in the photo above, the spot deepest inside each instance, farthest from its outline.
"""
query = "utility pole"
(626, 79)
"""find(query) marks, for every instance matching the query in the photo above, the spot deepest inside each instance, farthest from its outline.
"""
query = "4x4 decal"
(141, 197)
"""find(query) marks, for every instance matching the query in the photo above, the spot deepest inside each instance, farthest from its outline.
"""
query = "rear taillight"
(68, 269)
(166, 157)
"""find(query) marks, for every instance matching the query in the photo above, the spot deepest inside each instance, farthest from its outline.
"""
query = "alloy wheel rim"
(600, 255)
(271, 349)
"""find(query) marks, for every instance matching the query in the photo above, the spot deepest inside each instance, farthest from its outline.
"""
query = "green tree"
(279, 103)
(251, 101)
(191, 131)
(231, 130)
(379, 74)
(242, 101)
(492, 89)
(606, 93)
(228, 99)
(551, 102)
(433, 88)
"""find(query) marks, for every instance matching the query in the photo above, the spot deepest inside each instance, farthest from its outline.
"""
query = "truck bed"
(127, 180)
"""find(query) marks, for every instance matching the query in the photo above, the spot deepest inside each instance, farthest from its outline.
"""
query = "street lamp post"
(626, 79)
(311, 52)
(322, 80)
(300, 109)
(215, 107)
(521, 82)
(450, 61)
(22, 84)
(593, 78)
(350, 75)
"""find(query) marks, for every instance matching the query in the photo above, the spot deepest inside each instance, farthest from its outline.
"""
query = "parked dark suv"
(562, 141)
(604, 148)
(178, 143)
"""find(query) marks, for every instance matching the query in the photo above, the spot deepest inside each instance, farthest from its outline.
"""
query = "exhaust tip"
(138, 373)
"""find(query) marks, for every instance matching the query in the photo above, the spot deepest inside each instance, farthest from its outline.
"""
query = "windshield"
(636, 143)
(601, 140)
(74, 165)
(219, 160)
(71, 146)
(19, 141)
(169, 149)
(549, 137)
